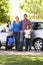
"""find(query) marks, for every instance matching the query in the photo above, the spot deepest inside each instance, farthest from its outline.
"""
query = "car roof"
(40, 21)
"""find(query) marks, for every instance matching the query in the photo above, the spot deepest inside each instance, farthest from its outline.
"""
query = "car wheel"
(38, 44)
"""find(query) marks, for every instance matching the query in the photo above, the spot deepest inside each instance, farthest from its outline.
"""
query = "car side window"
(41, 25)
(35, 26)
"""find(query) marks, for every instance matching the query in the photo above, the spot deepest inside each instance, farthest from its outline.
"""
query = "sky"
(15, 8)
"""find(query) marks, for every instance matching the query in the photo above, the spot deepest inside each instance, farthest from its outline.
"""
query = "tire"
(38, 44)
(0, 44)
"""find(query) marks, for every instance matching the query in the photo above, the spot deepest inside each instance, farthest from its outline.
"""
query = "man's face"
(25, 16)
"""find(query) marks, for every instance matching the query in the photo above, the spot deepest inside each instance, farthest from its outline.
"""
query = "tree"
(33, 6)
(4, 10)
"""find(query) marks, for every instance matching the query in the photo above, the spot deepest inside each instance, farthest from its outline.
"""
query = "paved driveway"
(13, 52)
(2, 52)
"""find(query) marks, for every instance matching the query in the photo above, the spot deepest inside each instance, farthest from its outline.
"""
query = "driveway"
(13, 52)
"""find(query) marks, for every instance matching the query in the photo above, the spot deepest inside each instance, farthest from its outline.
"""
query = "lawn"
(21, 60)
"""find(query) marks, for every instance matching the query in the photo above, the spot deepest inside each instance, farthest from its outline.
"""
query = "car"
(37, 34)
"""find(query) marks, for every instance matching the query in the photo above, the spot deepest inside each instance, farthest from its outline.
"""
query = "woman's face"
(17, 19)
(28, 27)
(9, 23)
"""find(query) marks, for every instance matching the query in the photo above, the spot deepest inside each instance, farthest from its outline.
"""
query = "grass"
(21, 60)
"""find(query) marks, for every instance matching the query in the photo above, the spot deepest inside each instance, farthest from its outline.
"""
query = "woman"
(8, 29)
(16, 31)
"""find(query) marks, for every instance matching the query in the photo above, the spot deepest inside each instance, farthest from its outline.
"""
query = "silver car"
(37, 34)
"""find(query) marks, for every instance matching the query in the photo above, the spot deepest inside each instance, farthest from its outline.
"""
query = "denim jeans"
(7, 43)
(28, 43)
(17, 39)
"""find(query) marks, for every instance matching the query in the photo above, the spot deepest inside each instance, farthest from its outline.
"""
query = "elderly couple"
(25, 26)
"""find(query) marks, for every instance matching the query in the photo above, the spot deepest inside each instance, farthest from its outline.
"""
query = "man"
(25, 23)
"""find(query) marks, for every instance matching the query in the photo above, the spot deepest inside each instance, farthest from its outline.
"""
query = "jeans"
(7, 43)
(28, 43)
(17, 39)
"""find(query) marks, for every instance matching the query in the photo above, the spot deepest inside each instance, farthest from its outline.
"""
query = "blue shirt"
(17, 27)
